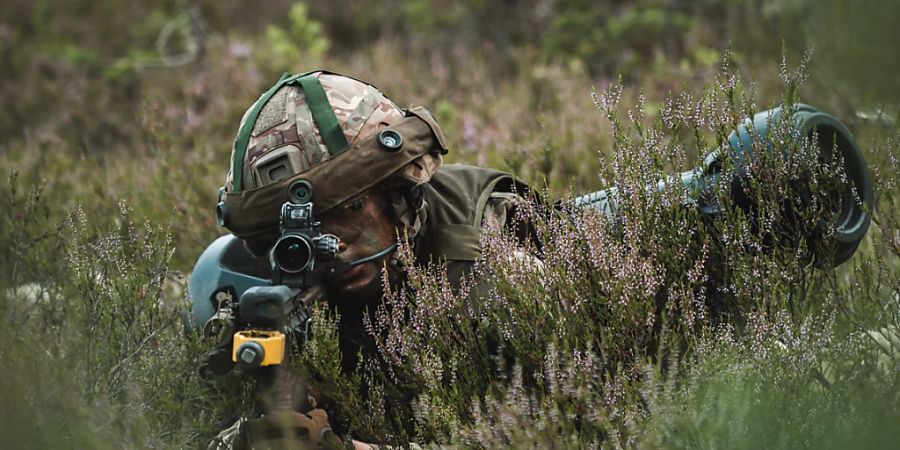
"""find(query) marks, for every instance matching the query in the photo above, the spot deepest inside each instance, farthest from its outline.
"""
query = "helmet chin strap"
(339, 267)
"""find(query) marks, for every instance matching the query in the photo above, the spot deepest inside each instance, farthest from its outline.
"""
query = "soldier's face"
(365, 227)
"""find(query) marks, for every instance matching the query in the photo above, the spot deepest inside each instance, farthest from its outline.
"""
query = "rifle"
(271, 317)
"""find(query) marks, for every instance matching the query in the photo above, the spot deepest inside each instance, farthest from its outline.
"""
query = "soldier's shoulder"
(463, 178)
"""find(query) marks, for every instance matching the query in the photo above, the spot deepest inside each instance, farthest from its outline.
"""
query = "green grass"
(661, 330)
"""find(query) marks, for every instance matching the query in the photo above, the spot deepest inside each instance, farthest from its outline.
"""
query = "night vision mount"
(302, 241)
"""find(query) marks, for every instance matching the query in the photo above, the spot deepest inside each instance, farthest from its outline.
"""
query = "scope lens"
(292, 253)
(222, 214)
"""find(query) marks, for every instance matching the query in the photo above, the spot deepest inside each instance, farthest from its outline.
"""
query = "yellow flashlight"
(254, 348)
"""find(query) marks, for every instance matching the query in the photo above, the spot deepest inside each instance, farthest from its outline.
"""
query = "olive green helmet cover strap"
(323, 115)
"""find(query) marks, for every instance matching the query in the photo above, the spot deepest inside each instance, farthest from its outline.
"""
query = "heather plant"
(95, 349)
(656, 326)
(599, 328)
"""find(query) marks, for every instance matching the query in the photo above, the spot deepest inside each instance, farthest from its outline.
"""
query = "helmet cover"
(283, 141)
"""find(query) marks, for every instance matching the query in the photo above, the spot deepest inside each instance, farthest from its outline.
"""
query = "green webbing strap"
(323, 115)
(240, 145)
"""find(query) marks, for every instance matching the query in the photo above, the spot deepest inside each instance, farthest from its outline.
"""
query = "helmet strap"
(322, 113)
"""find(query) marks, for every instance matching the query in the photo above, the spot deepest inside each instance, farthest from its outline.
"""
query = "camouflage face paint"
(365, 227)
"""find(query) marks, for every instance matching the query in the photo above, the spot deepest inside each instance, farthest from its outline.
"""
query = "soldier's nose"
(342, 246)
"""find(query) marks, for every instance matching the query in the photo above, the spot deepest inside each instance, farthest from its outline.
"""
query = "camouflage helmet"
(340, 134)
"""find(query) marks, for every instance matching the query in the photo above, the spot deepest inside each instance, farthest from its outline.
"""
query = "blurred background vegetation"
(100, 86)
(116, 114)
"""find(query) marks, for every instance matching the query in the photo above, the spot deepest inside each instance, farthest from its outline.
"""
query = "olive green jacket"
(459, 199)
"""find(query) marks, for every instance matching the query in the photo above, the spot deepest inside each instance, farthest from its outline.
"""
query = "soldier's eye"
(355, 206)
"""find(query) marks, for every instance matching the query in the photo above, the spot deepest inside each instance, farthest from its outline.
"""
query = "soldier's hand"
(292, 430)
